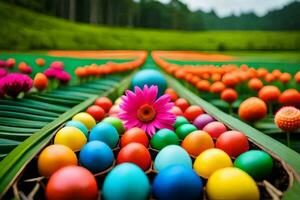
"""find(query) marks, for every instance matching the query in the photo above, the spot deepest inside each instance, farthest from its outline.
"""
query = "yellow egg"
(55, 157)
(71, 137)
(231, 183)
(211, 160)
(86, 119)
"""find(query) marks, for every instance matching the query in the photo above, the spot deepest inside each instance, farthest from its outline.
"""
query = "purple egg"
(202, 120)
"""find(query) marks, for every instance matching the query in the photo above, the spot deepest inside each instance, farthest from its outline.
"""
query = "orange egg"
(197, 142)
(55, 157)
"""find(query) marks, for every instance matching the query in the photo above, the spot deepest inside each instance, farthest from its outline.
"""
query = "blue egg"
(150, 77)
(78, 125)
(106, 133)
(96, 156)
(177, 182)
(172, 155)
(127, 182)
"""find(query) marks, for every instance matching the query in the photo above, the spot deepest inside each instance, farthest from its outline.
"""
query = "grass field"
(25, 30)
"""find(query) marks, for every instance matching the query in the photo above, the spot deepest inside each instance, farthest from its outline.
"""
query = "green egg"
(116, 122)
(163, 138)
(185, 129)
(180, 121)
(258, 164)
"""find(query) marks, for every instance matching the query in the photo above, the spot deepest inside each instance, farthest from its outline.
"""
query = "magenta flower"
(3, 63)
(57, 65)
(2, 93)
(15, 83)
(3, 72)
(63, 77)
(51, 72)
(141, 109)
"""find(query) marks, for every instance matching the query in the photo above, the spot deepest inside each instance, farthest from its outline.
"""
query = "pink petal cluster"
(56, 71)
(3, 63)
(132, 101)
(3, 72)
(15, 83)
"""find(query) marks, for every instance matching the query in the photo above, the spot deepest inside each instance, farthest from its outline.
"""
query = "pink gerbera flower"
(141, 109)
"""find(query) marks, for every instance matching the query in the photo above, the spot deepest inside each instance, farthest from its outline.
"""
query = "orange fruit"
(285, 77)
(288, 118)
(269, 78)
(269, 93)
(290, 97)
(276, 73)
(229, 95)
(230, 80)
(217, 87)
(252, 109)
(40, 81)
(203, 85)
(255, 84)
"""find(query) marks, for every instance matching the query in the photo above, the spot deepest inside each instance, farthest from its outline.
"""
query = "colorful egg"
(80, 126)
(114, 111)
(176, 111)
(96, 112)
(106, 133)
(185, 129)
(71, 137)
(203, 120)
(177, 182)
(163, 138)
(233, 143)
(126, 181)
(258, 164)
(55, 157)
(197, 142)
(116, 122)
(210, 161)
(86, 119)
(149, 77)
(192, 112)
(215, 129)
(180, 121)
(72, 182)
(171, 155)
(96, 156)
(231, 183)
(104, 103)
(134, 135)
(182, 103)
(135, 153)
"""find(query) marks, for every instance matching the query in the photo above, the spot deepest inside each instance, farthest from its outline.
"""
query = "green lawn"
(25, 30)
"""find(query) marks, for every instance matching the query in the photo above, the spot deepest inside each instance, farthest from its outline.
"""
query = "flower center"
(146, 113)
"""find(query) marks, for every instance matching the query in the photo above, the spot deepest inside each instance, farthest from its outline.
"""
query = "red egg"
(97, 112)
(176, 111)
(233, 143)
(104, 103)
(215, 129)
(192, 112)
(182, 103)
(134, 135)
(72, 182)
(135, 153)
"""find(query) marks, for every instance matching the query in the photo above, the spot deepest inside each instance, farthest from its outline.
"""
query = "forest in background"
(153, 14)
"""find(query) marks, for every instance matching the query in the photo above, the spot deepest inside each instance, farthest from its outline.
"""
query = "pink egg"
(215, 129)
(202, 120)
(114, 111)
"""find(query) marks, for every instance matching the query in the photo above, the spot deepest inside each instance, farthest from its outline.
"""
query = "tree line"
(153, 14)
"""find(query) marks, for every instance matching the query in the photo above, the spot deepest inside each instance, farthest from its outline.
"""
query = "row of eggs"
(97, 155)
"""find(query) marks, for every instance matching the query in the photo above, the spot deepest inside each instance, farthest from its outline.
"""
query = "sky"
(225, 8)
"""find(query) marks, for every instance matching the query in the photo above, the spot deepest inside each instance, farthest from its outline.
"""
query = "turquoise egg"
(127, 182)
(172, 155)
(78, 125)
(106, 133)
(258, 164)
(150, 77)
